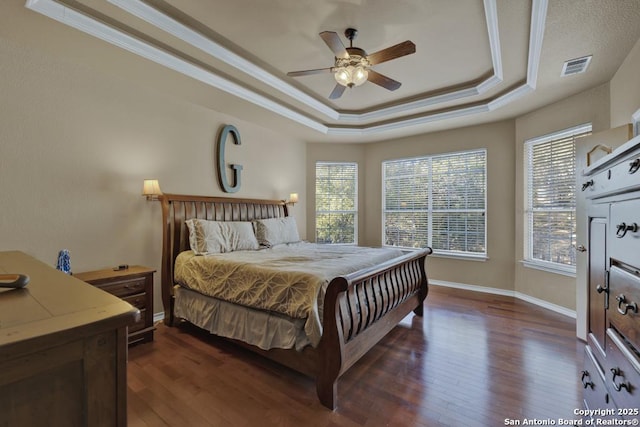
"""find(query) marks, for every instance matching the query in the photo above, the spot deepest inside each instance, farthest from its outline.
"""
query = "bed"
(355, 309)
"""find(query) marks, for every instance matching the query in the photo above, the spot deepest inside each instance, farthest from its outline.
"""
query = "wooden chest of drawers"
(134, 285)
(611, 378)
(63, 350)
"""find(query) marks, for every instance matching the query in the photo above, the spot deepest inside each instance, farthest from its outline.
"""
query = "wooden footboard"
(360, 309)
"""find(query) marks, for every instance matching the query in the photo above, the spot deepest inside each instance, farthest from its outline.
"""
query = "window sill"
(452, 255)
(550, 268)
(466, 257)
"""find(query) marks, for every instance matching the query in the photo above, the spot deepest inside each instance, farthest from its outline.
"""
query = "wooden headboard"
(177, 208)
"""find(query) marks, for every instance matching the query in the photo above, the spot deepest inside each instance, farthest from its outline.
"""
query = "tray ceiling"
(475, 60)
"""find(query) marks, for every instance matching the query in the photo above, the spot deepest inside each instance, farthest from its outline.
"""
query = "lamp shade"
(293, 198)
(151, 188)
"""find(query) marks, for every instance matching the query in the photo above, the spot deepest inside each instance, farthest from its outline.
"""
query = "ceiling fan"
(352, 65)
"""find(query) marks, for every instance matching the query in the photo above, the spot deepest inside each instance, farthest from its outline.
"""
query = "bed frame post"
(424, 288)
(167, 262)
(331, 347)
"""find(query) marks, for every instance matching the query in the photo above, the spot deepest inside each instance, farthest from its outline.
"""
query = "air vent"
(575, 66)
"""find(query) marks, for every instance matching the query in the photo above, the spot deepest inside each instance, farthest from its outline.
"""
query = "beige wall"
(82, 124)
(497, 138)
(76, 144)
(590, 106)
(625, 89)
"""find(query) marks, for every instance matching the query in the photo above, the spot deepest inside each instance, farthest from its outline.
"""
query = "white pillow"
(207, 237)
(274, 231)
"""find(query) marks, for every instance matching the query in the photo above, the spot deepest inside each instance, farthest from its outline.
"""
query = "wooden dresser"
(133, 284)
(611, 377)
(63, 350)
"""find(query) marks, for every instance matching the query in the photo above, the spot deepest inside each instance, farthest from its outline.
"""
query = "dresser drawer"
(625, 232)
(596, 395)
(619, 178)
(624, 304)
(622, 372)
(125, 287)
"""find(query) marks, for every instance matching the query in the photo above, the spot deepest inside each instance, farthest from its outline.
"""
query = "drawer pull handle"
(622, 301)
(586, 384)
(618, 387)
(634, 166)
(587, 184)
(624, 227)
(600, 289)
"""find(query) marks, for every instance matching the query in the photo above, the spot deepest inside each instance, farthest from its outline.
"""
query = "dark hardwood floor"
(473, 360)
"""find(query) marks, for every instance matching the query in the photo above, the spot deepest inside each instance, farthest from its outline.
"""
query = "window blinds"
(436, 201)
(336, 202)
(551, 202)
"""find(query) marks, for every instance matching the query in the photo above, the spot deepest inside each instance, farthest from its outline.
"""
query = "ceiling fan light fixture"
(352, 64)
(359, 75)
(351, 75)
(351, 72)
(343, 76)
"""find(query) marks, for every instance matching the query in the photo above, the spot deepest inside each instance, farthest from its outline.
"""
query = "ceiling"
(476, 61)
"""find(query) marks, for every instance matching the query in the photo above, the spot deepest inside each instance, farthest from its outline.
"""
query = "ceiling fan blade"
(393, 52)
(337, 91)
(309, 72)
(383, 81)
(332, 40)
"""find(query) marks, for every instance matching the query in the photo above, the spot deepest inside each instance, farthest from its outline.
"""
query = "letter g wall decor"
(222, 175)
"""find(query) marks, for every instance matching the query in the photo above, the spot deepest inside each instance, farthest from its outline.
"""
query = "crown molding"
(94, 27)
(536, 35)
(404, 122)
(169, 25)
(156, 18)
(118, 38)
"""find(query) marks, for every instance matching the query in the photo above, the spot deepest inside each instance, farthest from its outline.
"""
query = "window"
(336, 202)
(550, 222)
(437, 201)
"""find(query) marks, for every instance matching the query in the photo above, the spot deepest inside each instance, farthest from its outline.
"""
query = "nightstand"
(134, 285)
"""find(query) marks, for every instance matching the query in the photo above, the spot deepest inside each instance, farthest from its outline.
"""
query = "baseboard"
(158, 317)
(539, 302)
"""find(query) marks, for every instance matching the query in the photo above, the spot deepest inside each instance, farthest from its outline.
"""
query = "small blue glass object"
(64, 261)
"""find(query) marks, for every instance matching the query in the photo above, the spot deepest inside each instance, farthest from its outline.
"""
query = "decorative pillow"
(274, 231)
(207, 237)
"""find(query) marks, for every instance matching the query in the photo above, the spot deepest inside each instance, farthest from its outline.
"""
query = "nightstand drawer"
(123, 288)
(139, 301)
(140, 324)
(135, 286)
